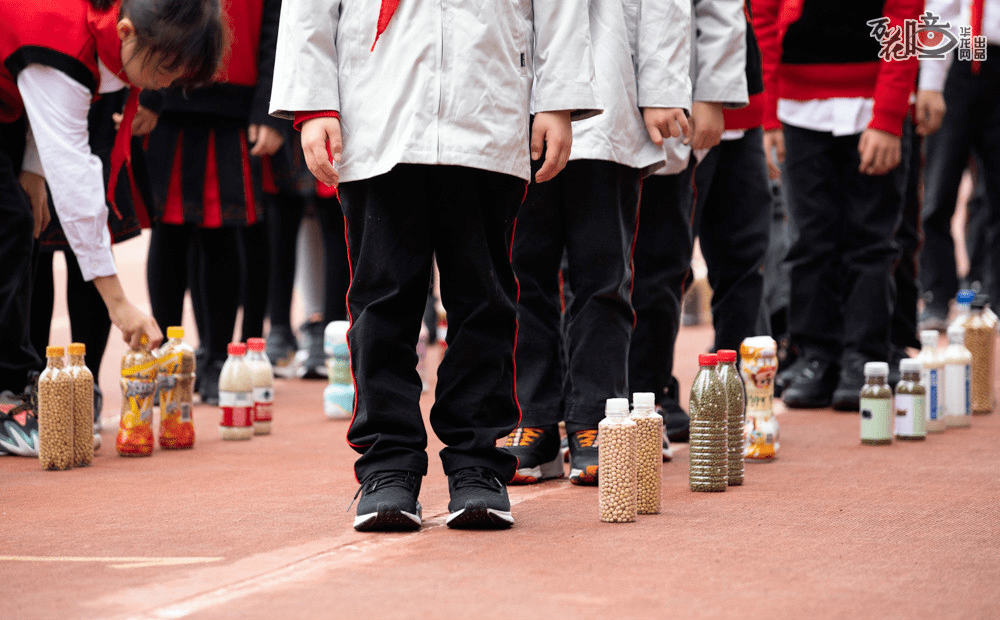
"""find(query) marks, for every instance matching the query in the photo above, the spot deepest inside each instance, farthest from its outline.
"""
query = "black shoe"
(389, 502)
(478, 500)
(847, 396)
(812, 387)
(584, 457)
(281, 350)
(676, 422)
(785, 377)
(314, 364)
(19, 422)
(210, 383)
(538, 454)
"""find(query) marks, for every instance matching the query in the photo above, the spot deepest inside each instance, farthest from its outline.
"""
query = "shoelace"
(523, 436)
(384, 479)
(586, 439)
(479, 477)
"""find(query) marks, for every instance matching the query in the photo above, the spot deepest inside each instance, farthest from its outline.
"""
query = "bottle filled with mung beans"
(83, 406)
(175, 380)
(735, 412)
(236, 395)
(55, 413)
(649, 452)
(910, 402)
(263, 385)
(957, 379)
(135, 430)
(980, 337)
(708, 442)
(932, 378)
(617, 471)
(877, 421)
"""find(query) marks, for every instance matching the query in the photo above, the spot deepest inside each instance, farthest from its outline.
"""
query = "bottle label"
(876, 419)
(910, 416)
(139, 394)
(929, 377)
(263, 402)
(237, 408)
(760, 400)
(956, 389)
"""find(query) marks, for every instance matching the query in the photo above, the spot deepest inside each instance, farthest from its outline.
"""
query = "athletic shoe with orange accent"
(537, 452)
(583, 457)
(19, 422)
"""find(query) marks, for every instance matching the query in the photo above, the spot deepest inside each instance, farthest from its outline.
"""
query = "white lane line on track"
(113, 562)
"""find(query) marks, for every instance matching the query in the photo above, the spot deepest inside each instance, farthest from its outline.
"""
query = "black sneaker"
(538, 454)
(812, 387)
(847, 395)
(676, 422)
(210, 383)
(312, 354)
(478, 500)
(389, 502)
(19, 422)
(583, 457)
(785, 377)
(281, 349)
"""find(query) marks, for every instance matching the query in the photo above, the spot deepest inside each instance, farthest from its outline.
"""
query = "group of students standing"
(554, 159)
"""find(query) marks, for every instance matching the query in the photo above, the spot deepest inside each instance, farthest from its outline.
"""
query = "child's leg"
(167, 272)
(336, 271)
(538, 245)
(220, 286)
(471, 217)
(255, 254)
(388, 238)
(42, 301)
(735, 218)
(601, 205)
(284, 214)
(88, 316)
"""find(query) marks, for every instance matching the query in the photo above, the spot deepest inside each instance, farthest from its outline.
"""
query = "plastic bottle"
(877, 420)
(649, 452)
(175, 380)
(758, 365)
(263, 385)
(963, 303)
(83, 406)
(736, 406)
(980, 337)
(709, 430)
(910, 402)
(617, 471)
(236, 395)
(135, 430)
(957, 377)
(932, 378)
(338, 396)
(55, 413)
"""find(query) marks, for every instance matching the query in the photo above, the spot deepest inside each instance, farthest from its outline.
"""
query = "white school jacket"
(450, 82)
(718, 65)
(642, 49)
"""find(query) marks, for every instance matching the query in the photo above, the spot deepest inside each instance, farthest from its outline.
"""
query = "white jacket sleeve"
(720, 52)
(57, 108)
(934, 71)
(663, 56)
(563, 62)
(306, 62)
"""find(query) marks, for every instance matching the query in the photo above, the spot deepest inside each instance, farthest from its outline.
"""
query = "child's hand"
(774, 150)
(551, 132)
(266, 140)
(662, 123)
(708, 124)
(142, 124)
(880, 152)
(321, 146)
(38, 196)
(930, 110)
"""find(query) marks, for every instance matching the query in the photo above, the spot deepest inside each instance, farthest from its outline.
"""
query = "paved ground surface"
(261, 529)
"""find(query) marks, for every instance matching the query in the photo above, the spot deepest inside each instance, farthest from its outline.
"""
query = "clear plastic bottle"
(617, 471)
(980, 338)
(932, 378)
(957, 379)
(55, 413)
(175, 379)
(338, 396)
(263, 385)
(877, 420)
(736, 406)
(963, 304)
(709, 430)
(758, 365)
(135, 430)
(83, 406)
(236, 395)
(910, 402)
(649, 452)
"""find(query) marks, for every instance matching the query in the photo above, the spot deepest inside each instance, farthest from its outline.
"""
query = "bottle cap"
(256, 344)
(616, 406)
(708, 359)
(726, 355)
(965, 296)
(644, 399)
(876, 369)
(929, 337)
(54, 352)
(77, 348)
(956, 334)
(910, 365)
(175, 332)
(237, 348)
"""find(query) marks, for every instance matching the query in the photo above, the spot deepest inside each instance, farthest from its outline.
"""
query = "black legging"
(217, 280)
(88, 316)
(255, 255)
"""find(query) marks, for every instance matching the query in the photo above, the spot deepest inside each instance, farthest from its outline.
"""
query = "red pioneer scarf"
(384, 15)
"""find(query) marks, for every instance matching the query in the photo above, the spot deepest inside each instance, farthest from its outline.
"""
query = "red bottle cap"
(708, 359)
(256, 344)
(237, 348)
(726, 355)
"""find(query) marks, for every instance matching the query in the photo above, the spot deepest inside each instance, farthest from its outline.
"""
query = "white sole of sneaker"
(388, 519)
(480, 518)
(545, 471)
